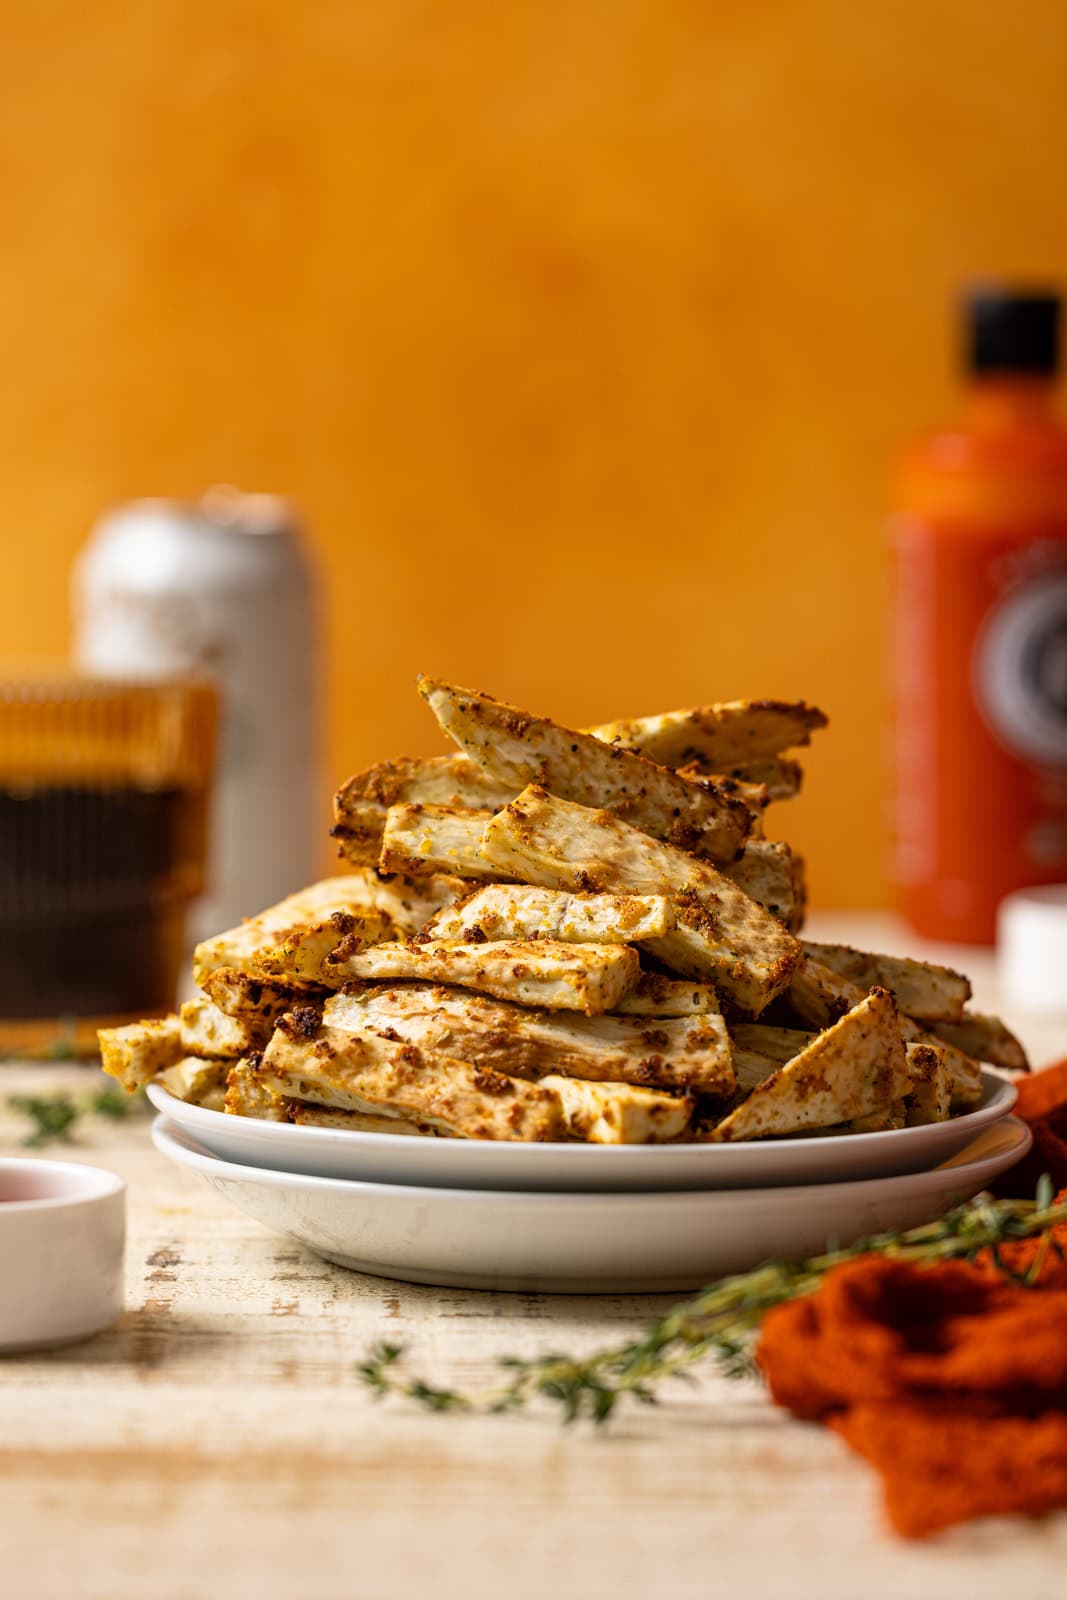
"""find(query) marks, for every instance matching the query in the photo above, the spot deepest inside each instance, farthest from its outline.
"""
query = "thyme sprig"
(54, 1117)
(722, 1320)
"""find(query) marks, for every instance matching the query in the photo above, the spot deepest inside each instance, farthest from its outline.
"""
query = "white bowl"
(584, 1243)
(62, 1243)
(489, 1164)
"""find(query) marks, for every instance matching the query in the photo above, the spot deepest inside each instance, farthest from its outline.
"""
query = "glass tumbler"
(104, 791)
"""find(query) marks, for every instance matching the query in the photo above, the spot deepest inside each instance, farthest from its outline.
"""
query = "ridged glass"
(104, 794)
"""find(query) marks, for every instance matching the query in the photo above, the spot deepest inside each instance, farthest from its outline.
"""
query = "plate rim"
(1003, 1095)
(165, 1134)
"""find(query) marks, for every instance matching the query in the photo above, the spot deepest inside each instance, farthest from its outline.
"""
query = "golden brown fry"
(410, 901)
(930, 1096)
(887, 1120)
(520, 911)
(306, 1115)
(366, 1072)
(673, 1053)
(780, 1044)
(819, 997)
(361, 804)
(246, 1096)
(966, 1075)
(536, 972)
(772, 874)
(777, 777)
(733, 733)
(518, 748)
(751, 1067)
(721, 934)
(210, 1033)
(301, 957)
(618, 1113)
(656, 995)
(753, 795)
(140, 1051)
(198, 1083)
(985, 1038)
(244, 946)
(423, 839)
(921, 989)
(854, 1069)
(238, 993)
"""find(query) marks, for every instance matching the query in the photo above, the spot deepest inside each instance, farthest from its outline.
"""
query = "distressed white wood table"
(219, 1443)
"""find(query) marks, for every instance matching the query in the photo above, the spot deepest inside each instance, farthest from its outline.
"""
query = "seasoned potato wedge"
(405, 902)
(362, 804)
(410, 901)
(751, 1068)
(965, 1073)
(731, 734)
(306, 1115)
(930, 1097)
(424, 839)
(520, 911)
(246, 1096)
(819, 997)
(140, 1051)
(777, 777)
(855, 1069)
(210, 1033)
(671, 1053)
(780, 1044)
(619, 1113)
(518, 748)
(301, 956)
(535, 972)
(243, 946)
(196, 1082)
(378, 1076)
(656, 995)
(772, 874)
(887, 1120)
(242, 993)
(984, 1038)
(721, 935)
(922, 990)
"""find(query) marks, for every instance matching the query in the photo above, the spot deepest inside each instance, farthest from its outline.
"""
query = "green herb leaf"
(722, 1321)
(55, 1116)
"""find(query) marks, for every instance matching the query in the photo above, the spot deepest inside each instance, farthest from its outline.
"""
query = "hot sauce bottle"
(979, 541)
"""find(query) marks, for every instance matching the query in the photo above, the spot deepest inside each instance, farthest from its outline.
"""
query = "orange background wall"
(584, 332)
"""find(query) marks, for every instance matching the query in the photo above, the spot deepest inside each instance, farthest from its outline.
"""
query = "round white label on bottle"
(1021, 670)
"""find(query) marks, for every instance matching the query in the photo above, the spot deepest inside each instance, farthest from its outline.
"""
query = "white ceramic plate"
(487, 1164)
(584, 1243)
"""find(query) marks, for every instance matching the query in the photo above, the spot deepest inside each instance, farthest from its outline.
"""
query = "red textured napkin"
(1042, 1103)
(950, 1380)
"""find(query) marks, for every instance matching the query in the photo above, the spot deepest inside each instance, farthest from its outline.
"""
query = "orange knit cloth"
(950, 1380)
(1042, 1103)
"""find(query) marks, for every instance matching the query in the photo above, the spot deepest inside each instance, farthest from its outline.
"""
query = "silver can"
(221, 587)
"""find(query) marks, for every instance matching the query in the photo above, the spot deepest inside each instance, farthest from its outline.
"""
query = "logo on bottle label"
(1020, 669)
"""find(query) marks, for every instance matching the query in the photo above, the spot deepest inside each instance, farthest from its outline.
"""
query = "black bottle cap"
(1013, 331)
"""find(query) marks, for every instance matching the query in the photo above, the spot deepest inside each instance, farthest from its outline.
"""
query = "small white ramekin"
(1032, 951)
(62, 1247)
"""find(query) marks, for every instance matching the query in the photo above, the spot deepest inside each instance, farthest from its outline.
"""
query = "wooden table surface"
(218, 1442)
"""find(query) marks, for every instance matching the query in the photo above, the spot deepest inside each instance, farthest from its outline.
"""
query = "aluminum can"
(223, 588)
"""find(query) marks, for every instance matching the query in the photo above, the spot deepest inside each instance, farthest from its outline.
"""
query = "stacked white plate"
(575, 1218)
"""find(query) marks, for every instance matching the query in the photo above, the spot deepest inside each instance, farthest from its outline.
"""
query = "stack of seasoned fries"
(565, 935)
